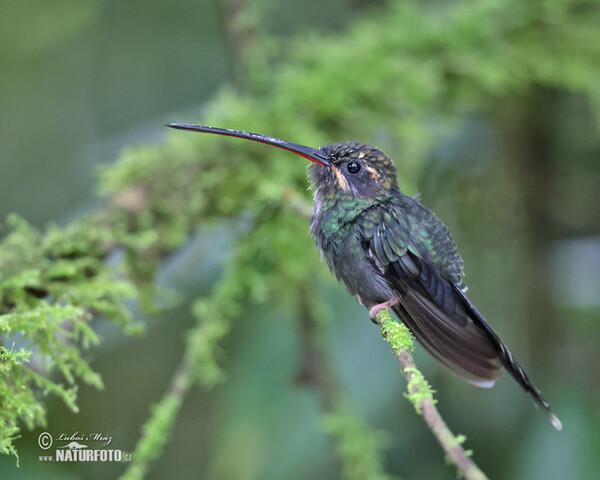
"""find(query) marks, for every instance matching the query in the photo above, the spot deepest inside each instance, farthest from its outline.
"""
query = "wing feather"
(404, 244)
(419, 260)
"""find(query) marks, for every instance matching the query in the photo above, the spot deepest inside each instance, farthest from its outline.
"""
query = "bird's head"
(349, 169)
(355, 170)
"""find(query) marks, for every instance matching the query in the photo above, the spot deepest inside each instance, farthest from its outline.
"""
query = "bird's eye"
(354, 167)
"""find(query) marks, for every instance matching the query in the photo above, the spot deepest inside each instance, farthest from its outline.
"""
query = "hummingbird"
(392, 252)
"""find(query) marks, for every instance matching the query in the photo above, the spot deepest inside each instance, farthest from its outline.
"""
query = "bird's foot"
(375, 309)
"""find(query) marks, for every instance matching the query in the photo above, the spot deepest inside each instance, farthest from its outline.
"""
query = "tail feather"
(510, 362)
(466, 345)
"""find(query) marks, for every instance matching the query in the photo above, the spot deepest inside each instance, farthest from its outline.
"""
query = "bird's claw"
(375, 309)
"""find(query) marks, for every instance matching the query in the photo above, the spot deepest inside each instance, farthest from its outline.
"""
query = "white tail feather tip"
(556, 422)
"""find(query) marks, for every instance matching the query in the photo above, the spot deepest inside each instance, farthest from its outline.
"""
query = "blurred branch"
(315, 368)
(297, 203)
(198, 366)
(431, 69)
(240, 35)
(157, 429)
(420, 394)
(358, 446)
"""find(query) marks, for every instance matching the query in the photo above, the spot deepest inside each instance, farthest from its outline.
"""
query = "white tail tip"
(556, 422)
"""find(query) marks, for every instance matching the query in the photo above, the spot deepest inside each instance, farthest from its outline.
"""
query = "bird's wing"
(421, 263)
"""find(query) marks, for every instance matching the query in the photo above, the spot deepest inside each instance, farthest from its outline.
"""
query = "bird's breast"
(348, 259)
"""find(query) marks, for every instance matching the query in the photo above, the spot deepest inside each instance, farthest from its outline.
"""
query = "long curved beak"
(312, 154)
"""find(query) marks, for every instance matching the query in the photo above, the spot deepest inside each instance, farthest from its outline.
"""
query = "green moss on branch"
(389, 77)
(420, 394)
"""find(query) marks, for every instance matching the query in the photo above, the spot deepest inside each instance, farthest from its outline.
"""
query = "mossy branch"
(428, 69)
(157, 429)
(420, 393)
(359, 447)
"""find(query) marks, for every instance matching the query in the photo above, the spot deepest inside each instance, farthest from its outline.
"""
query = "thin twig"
(421, 395)
(240, 36)
(157, 429)
(358, 447)
(315, 370)
(295, 201)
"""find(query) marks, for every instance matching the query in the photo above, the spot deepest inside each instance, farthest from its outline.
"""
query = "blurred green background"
(517, 181)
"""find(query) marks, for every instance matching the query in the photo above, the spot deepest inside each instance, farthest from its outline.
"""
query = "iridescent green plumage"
(388, 249)
(390, 226)
(391, 251)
